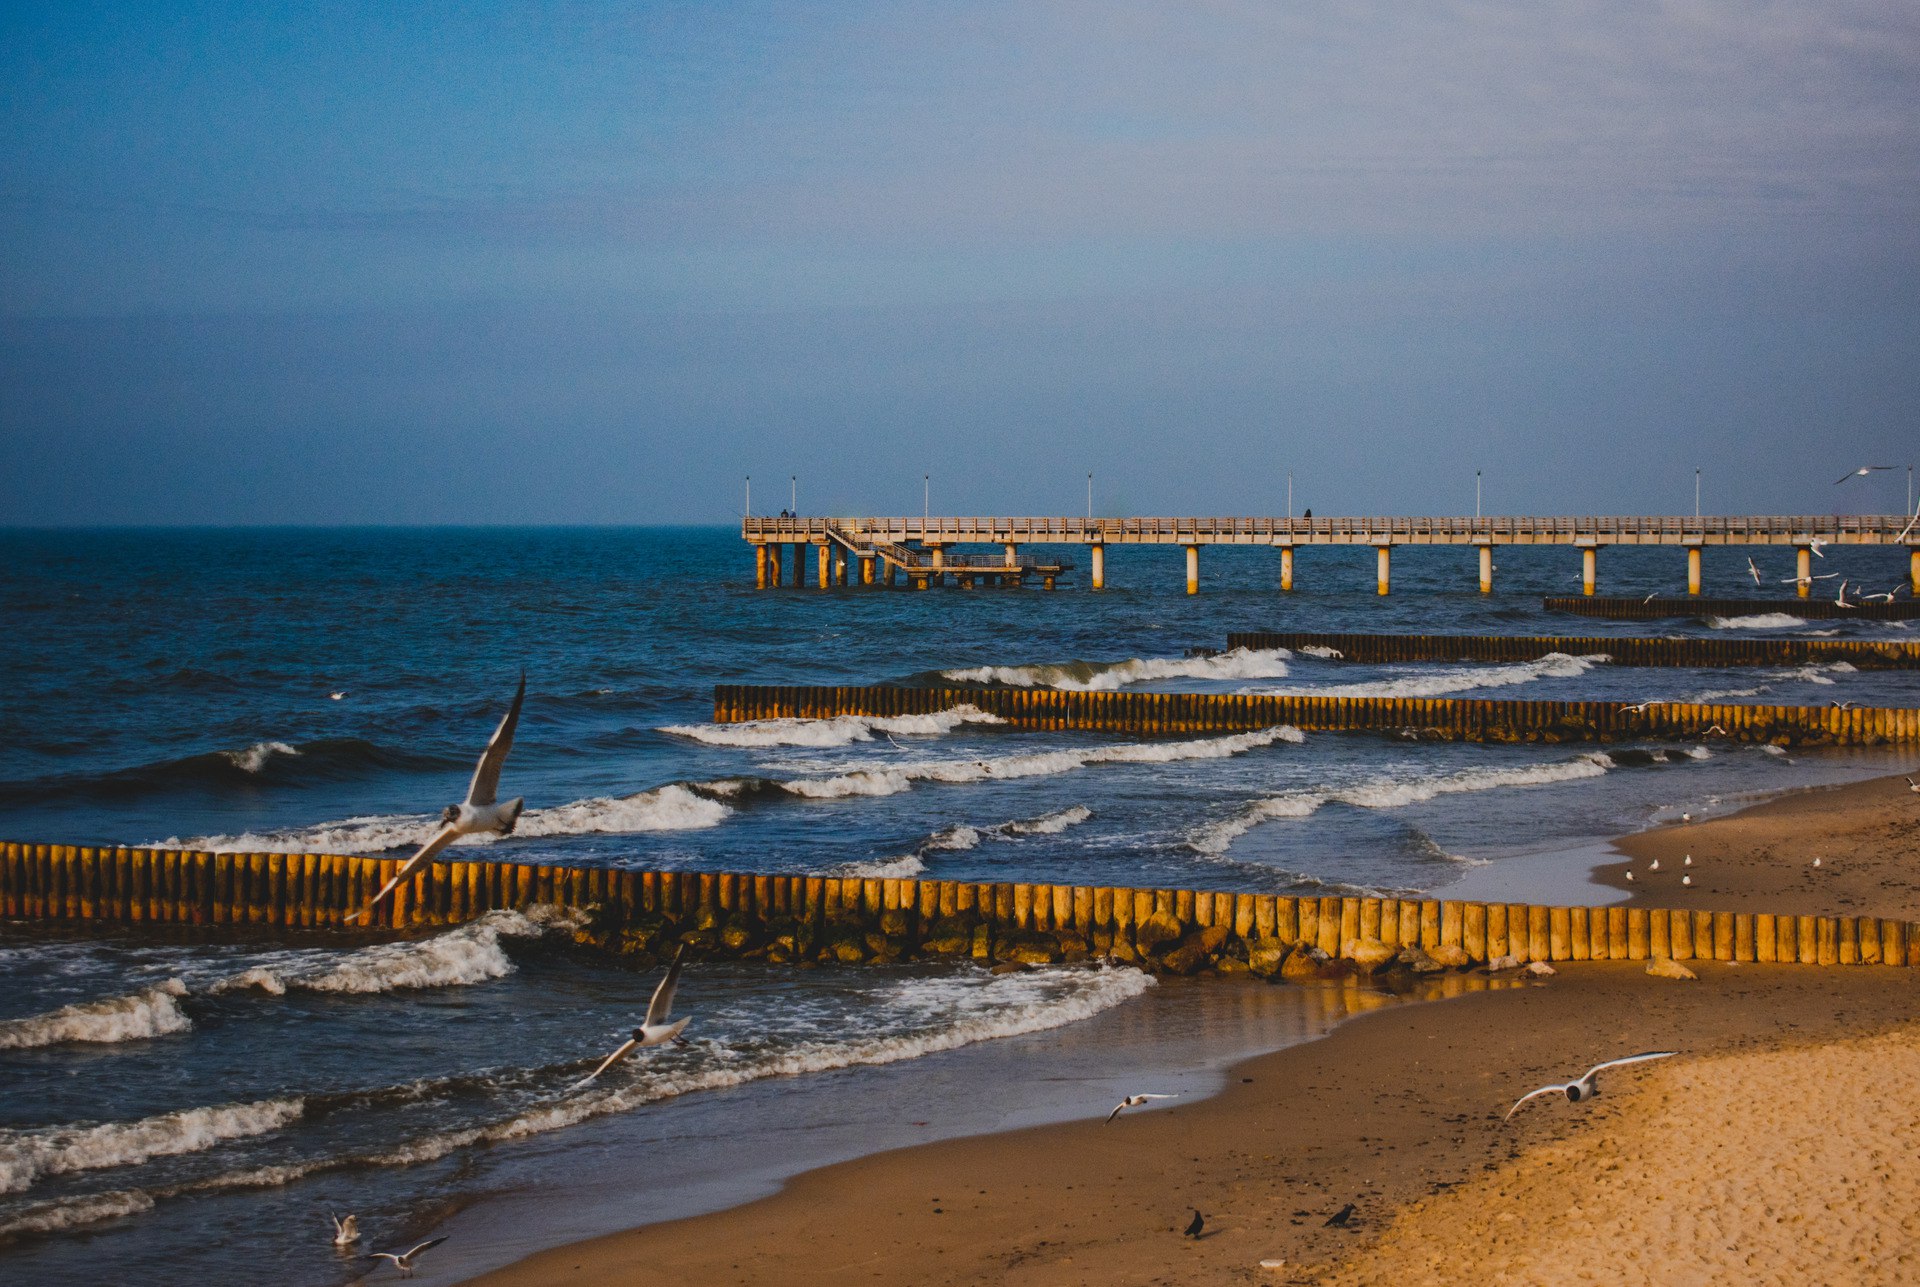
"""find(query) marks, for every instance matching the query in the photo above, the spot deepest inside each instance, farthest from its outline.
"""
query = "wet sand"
(1399, 1112)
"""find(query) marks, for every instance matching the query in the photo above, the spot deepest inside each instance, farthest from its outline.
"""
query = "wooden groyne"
(1656, 608)
(1865, 654)
(1443, 718)
(854, 919)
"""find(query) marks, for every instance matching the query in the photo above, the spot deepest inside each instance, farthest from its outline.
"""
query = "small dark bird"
(1198, 1223)
(1338, 1220)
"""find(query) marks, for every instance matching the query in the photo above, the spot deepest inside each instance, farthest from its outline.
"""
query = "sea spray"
(27, 1155)
(152, 1012)
(1085, 677)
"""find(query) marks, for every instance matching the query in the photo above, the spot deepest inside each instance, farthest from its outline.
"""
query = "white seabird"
(478, 812)
(1861, 472)
(655, 1030)
(1134, 1101)
(1586, 1086)
(403, 1260)
(345, 1232)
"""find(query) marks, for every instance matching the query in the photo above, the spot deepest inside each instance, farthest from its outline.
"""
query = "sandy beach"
(1399, 1112)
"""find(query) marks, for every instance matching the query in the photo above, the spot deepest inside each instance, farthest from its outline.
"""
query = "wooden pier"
(922, 548)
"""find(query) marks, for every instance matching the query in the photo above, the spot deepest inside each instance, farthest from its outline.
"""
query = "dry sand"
(1400, 1111)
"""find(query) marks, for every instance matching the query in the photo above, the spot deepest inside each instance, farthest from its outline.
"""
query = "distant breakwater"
(1654, 608)
(1864, 654)
(852, 920)
(1441, 718)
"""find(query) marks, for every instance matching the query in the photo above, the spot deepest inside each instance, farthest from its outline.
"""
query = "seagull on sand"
(1195, 1225)
(1816, 862)
(1587, 1085)
(1655, 866)
(654, 1030)
(345, 1232)
(1687, 881)
(1133, 1101)
(479, 812)
(1861, 472)
(1629, 876)
(403, 1260)
(1687, 861)
(1686, 817)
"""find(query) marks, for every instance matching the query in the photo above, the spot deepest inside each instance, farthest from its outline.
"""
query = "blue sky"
(595, 263)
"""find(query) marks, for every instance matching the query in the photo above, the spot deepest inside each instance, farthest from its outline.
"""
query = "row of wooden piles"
(1864, 654)
(317, 891)
(1691, 606)
(1437, 717)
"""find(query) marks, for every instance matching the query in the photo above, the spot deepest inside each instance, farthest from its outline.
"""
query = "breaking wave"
(1216, 838)
(669, 808)
(72, 1213)
(961, 837)
(27, 1155)
(470, 954)
(1435, 682)
(1759, 621)
(841, 730)
(1094, 676)
(263, 763)
(154, 1012)
(892, 781)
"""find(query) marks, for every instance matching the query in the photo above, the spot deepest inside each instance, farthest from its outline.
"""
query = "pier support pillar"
(799, 565)
(824, 560)
(1286, 567)
(760, 567)
(939, 564)
(1384, 571)
(892, 571)
(1486, 569)
(1913, 568)
(1193, 569)
(1803, 569)
(1693, 569)
(866, 569)
(773, 566)
(1589, 568)
(839, 568)
(1013, 555)
(1099, 566)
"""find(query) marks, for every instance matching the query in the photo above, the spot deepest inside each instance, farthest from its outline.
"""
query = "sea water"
(172, 1107)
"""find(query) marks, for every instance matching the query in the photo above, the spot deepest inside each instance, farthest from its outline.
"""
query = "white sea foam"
(842, 730)
(27, 1155)
(961, 837)
(469, 954)
(255, 757)
(1049, 824)
(669, 808)
(1323, 652)
(1084, 676)
(1217, 837)
(1454, 679)
(71, 1213)
(893, 780)
(901, 868)
(1759, 621)
(139, 1015)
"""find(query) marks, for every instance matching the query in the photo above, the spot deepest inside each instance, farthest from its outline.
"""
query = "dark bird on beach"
(1196, 1224)
(1338, 1220)
(1586, 1085)
(403, 1260)
(478, 813)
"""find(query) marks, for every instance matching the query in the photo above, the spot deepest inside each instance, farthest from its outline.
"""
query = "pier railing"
(852, 919)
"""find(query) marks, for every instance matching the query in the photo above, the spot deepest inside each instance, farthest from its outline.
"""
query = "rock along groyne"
(1655, 608)
(852, 919)
(1864, 654)
(1443, 718)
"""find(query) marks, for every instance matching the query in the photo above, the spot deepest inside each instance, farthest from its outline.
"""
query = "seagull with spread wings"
(478, 812)
(1587, 1084)
(655, 1029)
(1861, 472)
(1133, 1101)
(403, 1260)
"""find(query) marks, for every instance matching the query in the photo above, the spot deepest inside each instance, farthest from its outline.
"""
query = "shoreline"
(1385, 1111)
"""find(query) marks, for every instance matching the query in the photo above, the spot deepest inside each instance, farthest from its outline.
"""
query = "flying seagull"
(1913, 786)
(655, 1030)
(1195, 1225)
(1134, 1101)
(345, 1232)
(1637, 707)
(479, 812)
(1754, 571)
(1861, 472)
(1818, 547)
(1843, 706)
(403, 1260)
(1809, 580)
(1586, 1086)
(339, 696)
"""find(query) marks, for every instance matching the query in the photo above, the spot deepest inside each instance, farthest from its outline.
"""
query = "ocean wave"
(1096, 676)
(841, 730)
(154, 1012)
(73, 1213)
(1814, 674)
(1216, 838)
(960, 1010)
(27, 1155)
(893, 780)
(264, 763)
(669, 808)
(959, 838)
(1435, 682)
(470, 954)
(1759, 621)
(1049, 824)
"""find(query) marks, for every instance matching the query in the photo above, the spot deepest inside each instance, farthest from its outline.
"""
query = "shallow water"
(178, 687)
